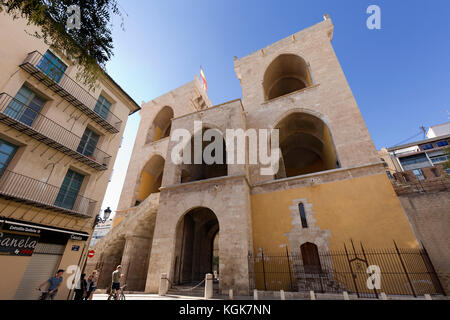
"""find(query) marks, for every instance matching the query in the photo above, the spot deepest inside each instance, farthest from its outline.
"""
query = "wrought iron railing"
(57, 80)
(37, 193)
(402, 272)
(33, 123)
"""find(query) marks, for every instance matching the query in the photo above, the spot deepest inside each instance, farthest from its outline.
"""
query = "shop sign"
(17, 244)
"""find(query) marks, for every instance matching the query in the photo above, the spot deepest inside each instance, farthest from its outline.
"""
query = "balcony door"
(102, 107)
(52, 66)
(25, 106)
(7, 152)
(88, 143)
(69, 190)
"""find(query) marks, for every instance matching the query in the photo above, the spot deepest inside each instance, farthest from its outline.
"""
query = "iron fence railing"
(402, 272)
(57, 80)
(34, 192)
(60, 138)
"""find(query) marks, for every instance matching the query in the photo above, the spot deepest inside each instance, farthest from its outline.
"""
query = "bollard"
(313, 295)
(163, 285)
(383, 296)
(255, 294)
(282, 296)
(231, 294)
(428, 297)
(346, 297)
(208, 286)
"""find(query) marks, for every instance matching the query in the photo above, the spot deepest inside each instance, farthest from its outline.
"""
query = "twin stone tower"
(187, 220)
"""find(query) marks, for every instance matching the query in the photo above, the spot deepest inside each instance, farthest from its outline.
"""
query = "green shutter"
(7, 152)
(102, 107)
(69, 190)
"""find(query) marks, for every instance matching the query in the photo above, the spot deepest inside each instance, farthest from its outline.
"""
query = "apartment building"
(58, 144)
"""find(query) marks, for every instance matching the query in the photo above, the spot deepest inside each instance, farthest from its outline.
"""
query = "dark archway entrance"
(196, 253)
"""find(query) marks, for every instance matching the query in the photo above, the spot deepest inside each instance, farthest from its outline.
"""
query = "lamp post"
(106, 214)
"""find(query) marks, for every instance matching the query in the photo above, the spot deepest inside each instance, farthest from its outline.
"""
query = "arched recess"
(196, 172)
(150, 179)
(286, 74)
(194, 246)
(306, 146)
(161, 125)
(311, 258)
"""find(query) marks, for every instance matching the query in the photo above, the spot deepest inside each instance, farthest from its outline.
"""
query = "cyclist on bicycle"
(116, 276)
(55, 283)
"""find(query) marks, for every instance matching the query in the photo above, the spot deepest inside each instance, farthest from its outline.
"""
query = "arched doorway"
(161, 125)
(306, 146)
(202, 171)
(311, 258)
(196, 251)
(150, 179)
(287, 73)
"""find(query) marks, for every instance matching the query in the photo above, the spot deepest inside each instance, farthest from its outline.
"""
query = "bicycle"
(45, 295)
(113, 293)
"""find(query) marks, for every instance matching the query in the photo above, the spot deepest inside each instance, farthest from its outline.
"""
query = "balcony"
(22, 189)
(23, 118)
(68, 89)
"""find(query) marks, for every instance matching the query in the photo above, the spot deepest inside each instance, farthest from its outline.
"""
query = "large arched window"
(161, 125)
(202, 171)
(286, 74)
(306, 146)
(151, 178)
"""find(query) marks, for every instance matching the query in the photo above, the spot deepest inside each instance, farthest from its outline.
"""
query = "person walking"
(81, 288)
(54, 284)
(116, 276)
(92, 285)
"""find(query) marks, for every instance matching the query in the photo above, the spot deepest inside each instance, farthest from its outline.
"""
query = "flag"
(202, 74)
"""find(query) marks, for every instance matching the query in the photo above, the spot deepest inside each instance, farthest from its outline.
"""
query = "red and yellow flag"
(202, 75)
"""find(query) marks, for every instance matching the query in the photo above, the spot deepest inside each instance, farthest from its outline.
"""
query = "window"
(439, 159)
(88, 143)
(419, 174)
(427, 146)
(301, 208)
(415, 162)
(7, 152)
(102, 107)
(442, 143)
(25, 107)
(69, 190)
(52, 66)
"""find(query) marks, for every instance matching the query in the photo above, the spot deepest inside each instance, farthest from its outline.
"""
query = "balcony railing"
(33, 192)
(32, 123)
(58, 81)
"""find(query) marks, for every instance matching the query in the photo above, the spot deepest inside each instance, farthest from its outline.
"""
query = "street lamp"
(106, 214)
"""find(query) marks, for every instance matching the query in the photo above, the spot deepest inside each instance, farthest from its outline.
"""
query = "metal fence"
(57, 80)
(32, 119)
(31, 191)
(401, 272)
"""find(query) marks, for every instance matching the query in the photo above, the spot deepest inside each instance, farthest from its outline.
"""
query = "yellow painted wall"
(12, 270)
(146, 188)
(158, 133)
(363, 209)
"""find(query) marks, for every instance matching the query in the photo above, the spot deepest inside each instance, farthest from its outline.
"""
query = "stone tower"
(213, 217)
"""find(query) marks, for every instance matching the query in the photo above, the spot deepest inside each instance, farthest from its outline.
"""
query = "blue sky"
(399, 75)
